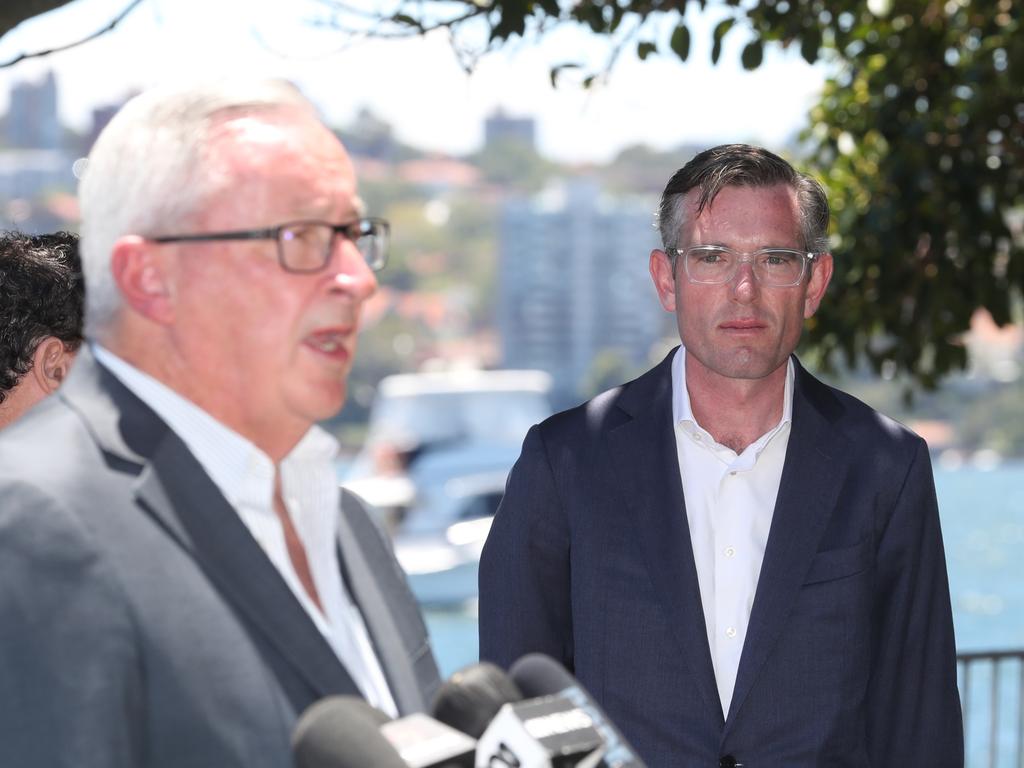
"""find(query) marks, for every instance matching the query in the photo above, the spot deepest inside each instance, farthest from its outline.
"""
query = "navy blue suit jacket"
(849, 658)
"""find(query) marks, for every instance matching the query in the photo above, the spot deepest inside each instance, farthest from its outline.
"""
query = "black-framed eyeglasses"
(717, 264)
(306, 246)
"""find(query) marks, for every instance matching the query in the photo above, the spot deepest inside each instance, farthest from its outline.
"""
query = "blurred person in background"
(743, 564)
(41, 297)
(180, 574)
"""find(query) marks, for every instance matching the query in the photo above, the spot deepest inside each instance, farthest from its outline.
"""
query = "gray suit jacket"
(140, 623)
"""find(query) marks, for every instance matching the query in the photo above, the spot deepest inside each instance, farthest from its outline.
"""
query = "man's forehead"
(744, 195)
(250, 129)
(272, 131)
(252, 146)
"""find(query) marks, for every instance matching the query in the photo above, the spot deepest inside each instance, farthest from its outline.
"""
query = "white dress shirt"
(730, 500)
(309, 487)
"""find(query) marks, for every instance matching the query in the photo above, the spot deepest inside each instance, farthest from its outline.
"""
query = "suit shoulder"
(588, 420)
(27, 445)
(860, 422)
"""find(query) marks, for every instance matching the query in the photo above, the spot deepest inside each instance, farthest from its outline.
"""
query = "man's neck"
(735, 412)
(275, 440)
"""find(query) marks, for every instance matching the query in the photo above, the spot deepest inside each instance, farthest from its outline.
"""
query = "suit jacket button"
(727, 761)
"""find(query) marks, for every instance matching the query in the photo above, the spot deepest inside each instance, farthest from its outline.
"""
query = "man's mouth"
(743, 325)
(328, 342)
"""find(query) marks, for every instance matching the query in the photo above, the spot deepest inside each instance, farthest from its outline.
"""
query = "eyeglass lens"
(306, 246)
(776, 267)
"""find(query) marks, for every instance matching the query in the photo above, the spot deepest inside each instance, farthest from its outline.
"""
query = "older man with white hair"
(176, 580)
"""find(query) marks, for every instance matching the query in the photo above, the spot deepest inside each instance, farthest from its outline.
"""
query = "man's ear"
(51, 363)
(141, 277)
(821, 274)
(664, 279)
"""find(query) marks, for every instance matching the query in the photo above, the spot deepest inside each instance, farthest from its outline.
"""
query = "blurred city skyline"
(417, 84)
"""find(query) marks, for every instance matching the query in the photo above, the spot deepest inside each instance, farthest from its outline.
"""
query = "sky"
(418, 85)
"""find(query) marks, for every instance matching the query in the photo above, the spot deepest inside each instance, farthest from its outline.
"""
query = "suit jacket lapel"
(644, 451)
(178, 493)
(376, 597)
(173, 487)
(811, 478)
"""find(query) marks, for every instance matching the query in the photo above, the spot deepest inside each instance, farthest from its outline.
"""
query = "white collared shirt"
(309, 487)
(730, 501)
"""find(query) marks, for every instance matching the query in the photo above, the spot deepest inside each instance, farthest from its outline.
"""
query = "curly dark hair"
(41, 294)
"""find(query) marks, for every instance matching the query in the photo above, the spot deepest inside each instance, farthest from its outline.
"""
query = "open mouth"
(330, 343)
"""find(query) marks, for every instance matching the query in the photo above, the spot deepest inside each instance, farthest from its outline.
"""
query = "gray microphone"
(343, 732)
(540, 675)
(470, 699)
(335, 728)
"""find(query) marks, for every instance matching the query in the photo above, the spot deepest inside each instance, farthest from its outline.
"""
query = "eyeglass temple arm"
(254, 234)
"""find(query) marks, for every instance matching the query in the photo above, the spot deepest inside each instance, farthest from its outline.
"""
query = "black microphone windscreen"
(342, 732)
(471, 697)
(540, 675)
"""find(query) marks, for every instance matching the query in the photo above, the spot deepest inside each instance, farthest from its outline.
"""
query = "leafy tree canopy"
(919, 138)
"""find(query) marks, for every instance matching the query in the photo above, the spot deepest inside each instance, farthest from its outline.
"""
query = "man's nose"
(349, 271)
(744, 285)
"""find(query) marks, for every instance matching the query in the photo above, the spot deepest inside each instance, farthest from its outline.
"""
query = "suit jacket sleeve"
(913, 708)
(524, 568)
(69, 676)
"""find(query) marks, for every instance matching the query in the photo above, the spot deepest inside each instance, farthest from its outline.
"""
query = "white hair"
(145, 173)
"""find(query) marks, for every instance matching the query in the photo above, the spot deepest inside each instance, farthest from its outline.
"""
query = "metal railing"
(992, 697)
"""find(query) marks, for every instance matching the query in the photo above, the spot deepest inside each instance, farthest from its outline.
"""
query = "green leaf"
(558, 69)
(720, 31)
(645, 48)
(404, 18)
(753, 54)
(681, 41)
(810, 43)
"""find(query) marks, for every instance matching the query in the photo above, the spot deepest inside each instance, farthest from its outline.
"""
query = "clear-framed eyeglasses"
(717, 264)
(306, 246)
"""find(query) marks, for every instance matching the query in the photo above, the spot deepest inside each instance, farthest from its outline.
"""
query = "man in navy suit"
(742, 564)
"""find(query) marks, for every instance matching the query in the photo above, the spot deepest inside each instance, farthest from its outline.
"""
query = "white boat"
(438, 450)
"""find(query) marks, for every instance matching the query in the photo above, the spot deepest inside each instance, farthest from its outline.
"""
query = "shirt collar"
(243, 473)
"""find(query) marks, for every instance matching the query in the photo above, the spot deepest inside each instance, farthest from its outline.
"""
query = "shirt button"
(730, 632)
(730, 551)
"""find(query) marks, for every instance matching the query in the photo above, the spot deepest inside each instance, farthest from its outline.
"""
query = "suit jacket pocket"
(835, 564)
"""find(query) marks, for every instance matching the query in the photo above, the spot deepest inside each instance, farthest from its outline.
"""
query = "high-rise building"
(500, 128)
(574, 283)
(32, 121)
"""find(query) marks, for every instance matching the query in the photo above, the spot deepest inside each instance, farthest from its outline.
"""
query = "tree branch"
(36, 54)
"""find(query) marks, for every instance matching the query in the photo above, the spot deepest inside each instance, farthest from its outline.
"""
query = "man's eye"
(712, 257)
(778, 258)
(300, 234)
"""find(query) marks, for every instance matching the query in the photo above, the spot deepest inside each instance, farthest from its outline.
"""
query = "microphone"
(424, 742)
(345, 732)
(471, 698)
(545, 732)
(342, 732)
(540, 675)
